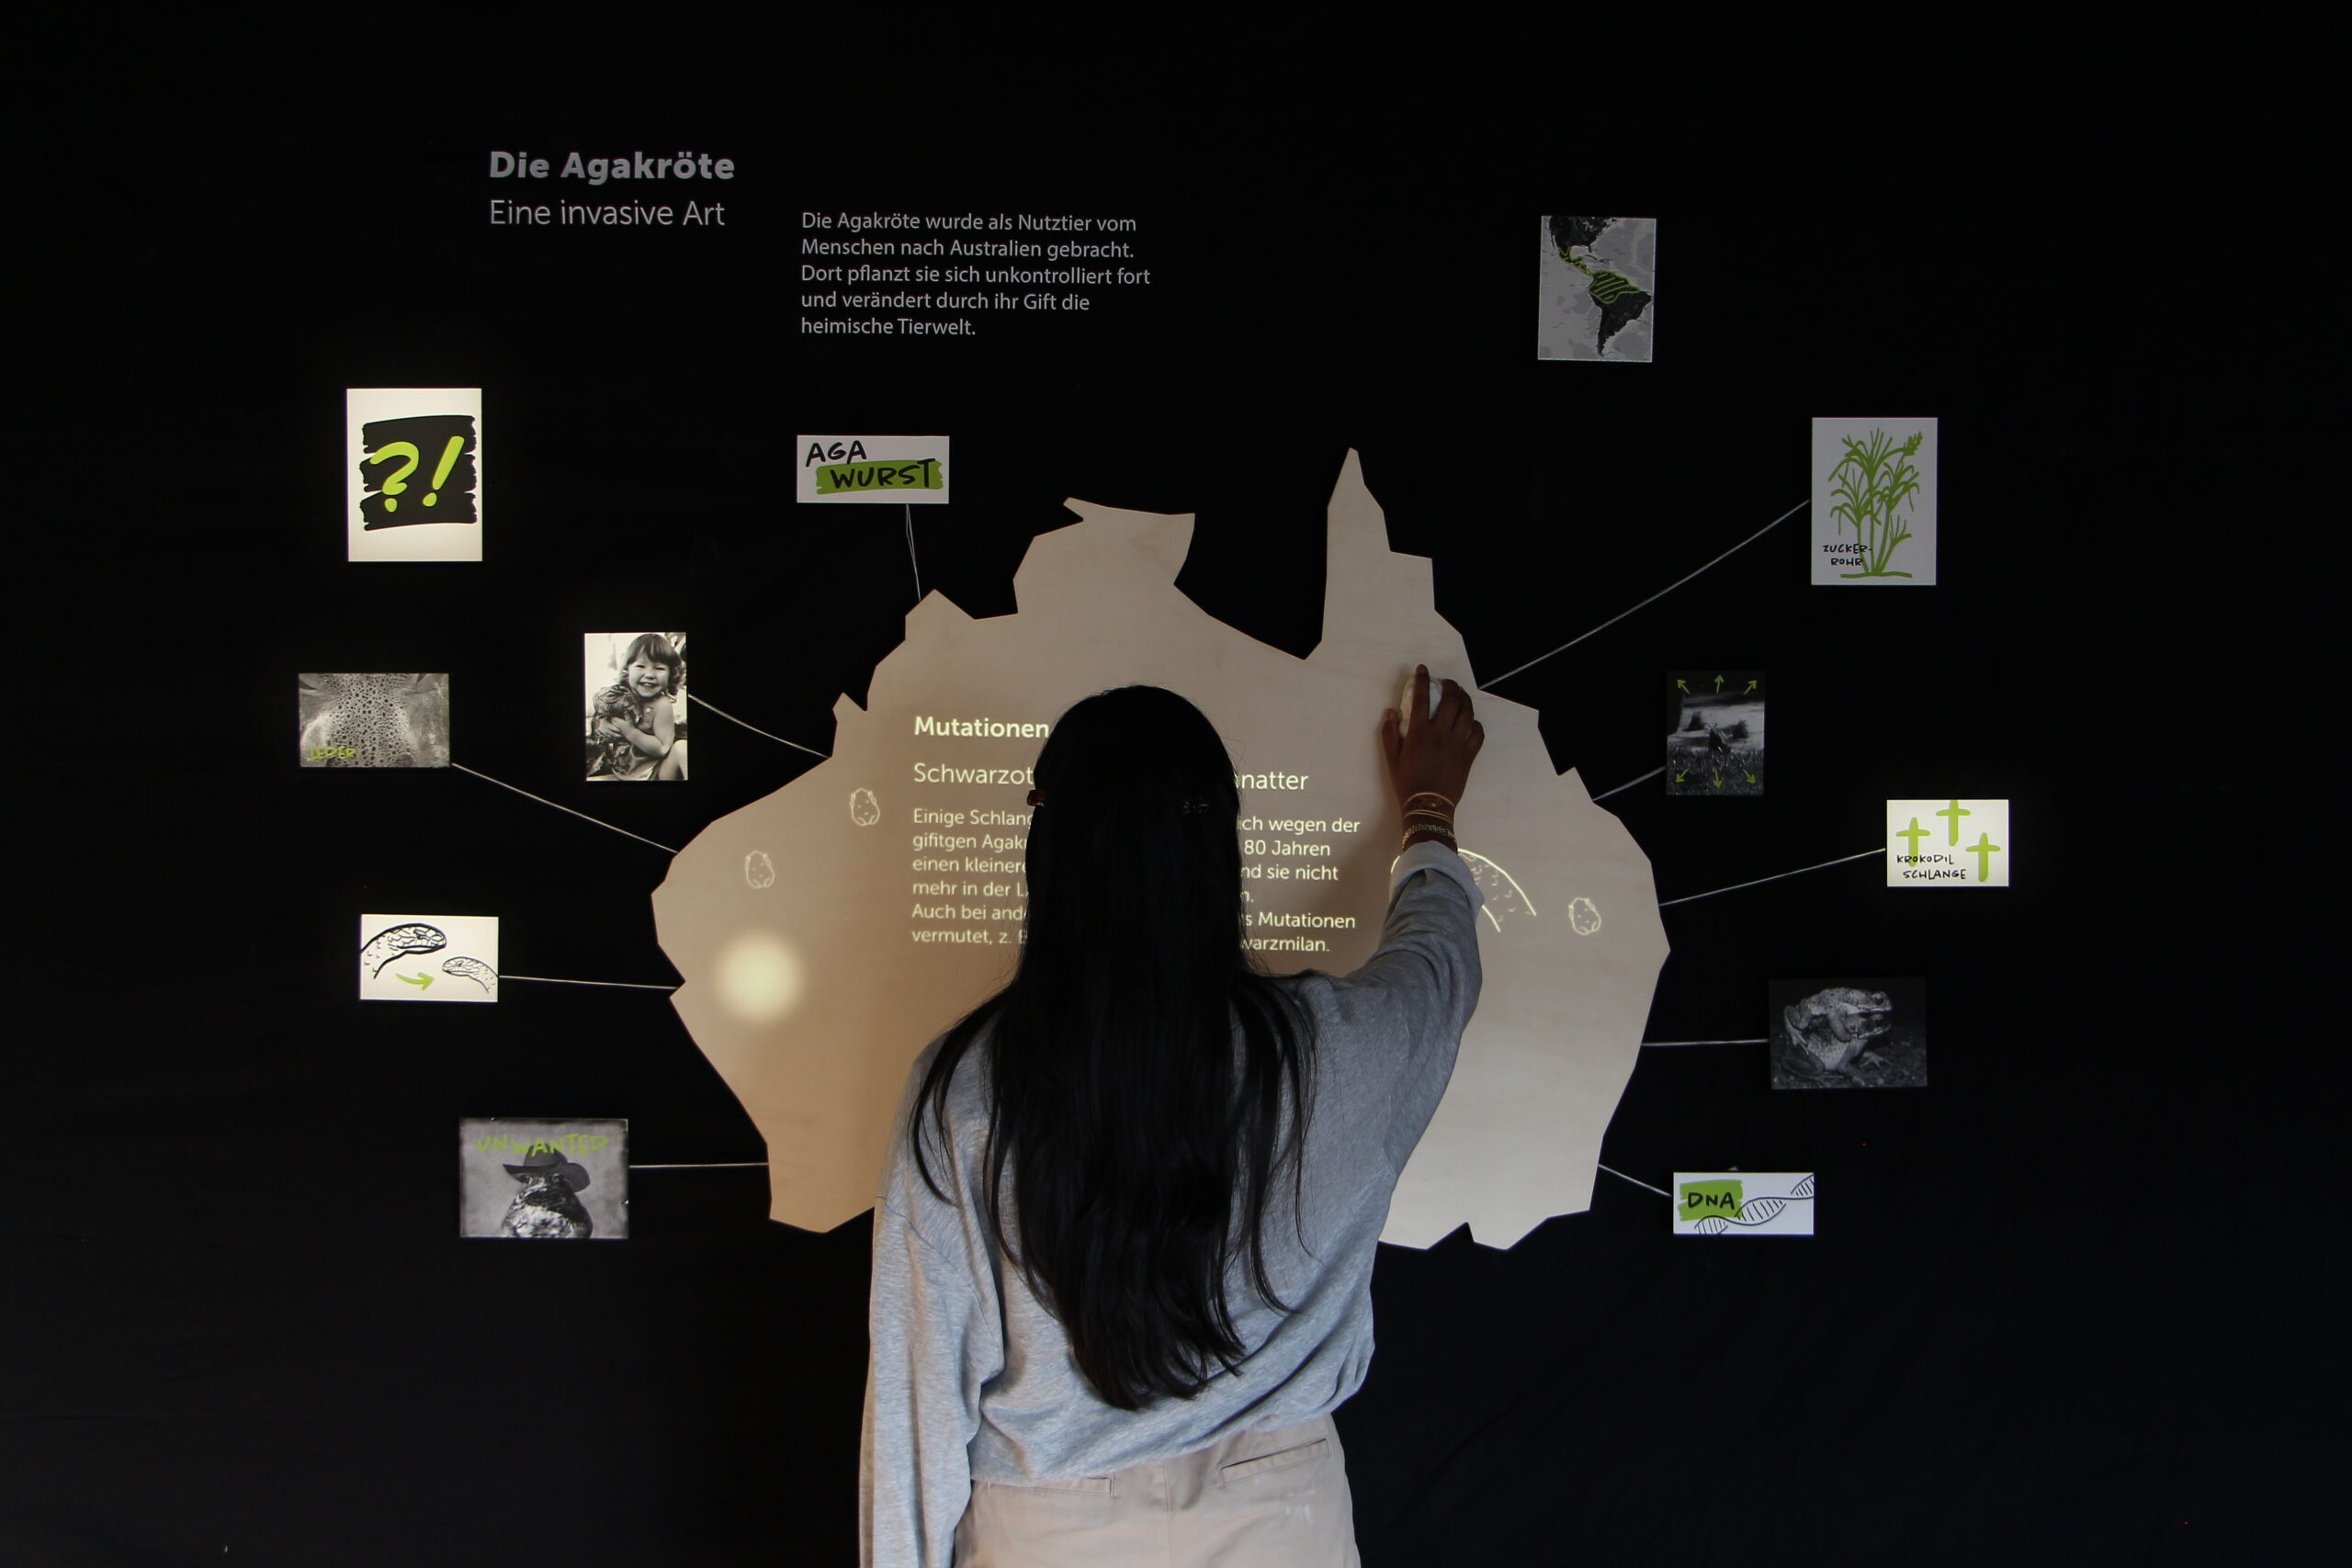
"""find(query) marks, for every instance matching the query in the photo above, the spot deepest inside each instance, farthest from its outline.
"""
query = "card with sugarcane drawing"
(1873, 501)
(1714, 732)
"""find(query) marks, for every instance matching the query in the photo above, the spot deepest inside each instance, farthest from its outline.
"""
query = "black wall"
(2027, 1331)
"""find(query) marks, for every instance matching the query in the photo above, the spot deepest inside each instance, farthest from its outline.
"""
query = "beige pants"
(1254, 1500)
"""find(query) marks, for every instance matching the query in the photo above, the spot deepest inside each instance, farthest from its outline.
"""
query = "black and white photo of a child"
(637, 722)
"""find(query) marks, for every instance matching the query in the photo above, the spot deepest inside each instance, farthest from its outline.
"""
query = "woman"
(1123, 1248)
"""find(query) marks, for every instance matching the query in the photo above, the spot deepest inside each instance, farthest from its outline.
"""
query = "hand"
(1436, 753)
(610, 729)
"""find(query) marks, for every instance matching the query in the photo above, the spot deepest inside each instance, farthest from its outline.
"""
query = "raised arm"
(1408, 1005)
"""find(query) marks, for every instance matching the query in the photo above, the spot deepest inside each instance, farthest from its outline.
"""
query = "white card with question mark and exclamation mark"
(412, 472)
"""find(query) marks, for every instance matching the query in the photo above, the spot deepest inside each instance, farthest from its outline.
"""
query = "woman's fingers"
(1453, 713)
(1452, 708)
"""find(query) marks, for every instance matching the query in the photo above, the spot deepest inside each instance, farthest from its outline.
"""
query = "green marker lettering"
(1701, 1198)
(915, 473)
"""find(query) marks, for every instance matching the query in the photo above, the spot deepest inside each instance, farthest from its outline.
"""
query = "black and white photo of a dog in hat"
(543, 1180)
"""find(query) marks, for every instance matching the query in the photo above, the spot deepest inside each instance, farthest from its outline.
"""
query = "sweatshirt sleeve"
(1408, 1003)
(934, 1344)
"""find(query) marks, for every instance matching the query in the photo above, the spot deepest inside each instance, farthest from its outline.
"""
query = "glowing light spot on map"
(759, 978)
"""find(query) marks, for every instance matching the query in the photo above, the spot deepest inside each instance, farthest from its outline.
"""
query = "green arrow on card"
(1751, 686)
(422, 982)
(1719, 685)
(1682, 686)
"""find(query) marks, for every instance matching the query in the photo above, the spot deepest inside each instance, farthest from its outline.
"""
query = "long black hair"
(1138, 1059)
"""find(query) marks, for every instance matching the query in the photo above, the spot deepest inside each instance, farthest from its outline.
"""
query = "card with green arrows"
(1714, 732)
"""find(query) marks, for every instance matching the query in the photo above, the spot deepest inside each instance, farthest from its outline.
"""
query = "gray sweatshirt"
(972, 1378)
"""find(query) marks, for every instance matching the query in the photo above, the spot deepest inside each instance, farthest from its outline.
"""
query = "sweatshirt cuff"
(1430, 856)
